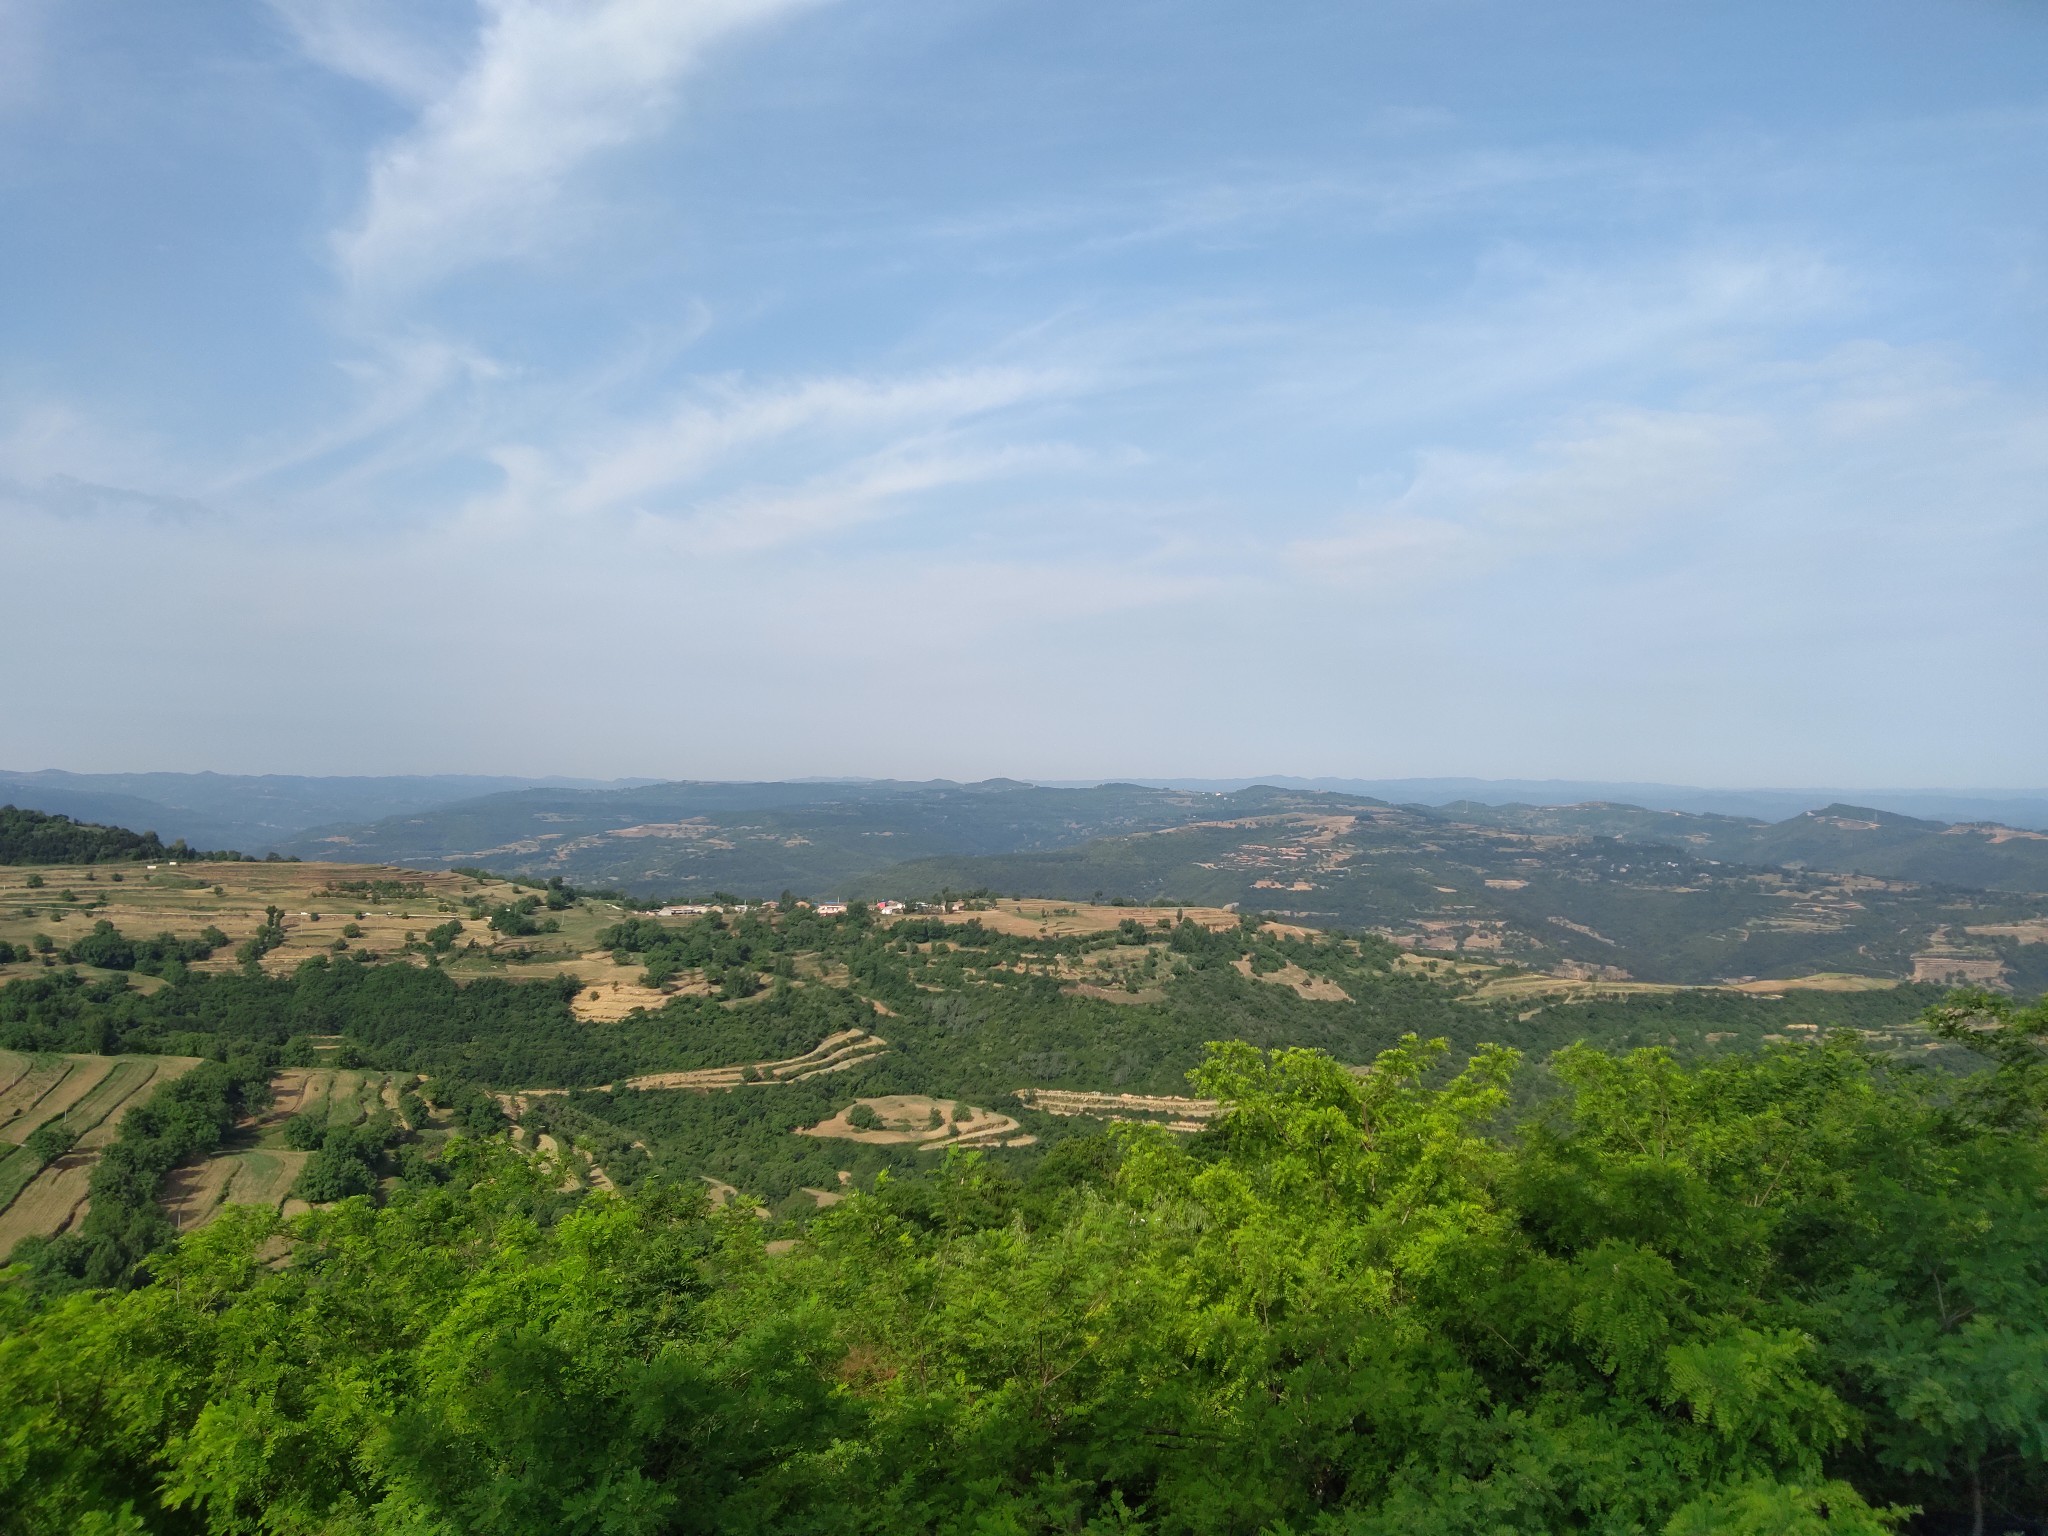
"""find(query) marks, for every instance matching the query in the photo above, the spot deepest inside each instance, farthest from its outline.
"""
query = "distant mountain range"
(261, 812)
(256, 812)
(2014, 807)
(1599, 889)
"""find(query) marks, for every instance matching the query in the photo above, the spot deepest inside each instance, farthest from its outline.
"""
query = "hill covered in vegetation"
(1850, 839)
(32, 837)
(380, 1200)
(814, 837)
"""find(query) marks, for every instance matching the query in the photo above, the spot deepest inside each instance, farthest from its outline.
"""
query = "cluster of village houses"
(884, 908)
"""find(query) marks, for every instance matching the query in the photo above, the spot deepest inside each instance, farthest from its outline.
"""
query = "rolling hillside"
(1569, 903)
(1848, 839)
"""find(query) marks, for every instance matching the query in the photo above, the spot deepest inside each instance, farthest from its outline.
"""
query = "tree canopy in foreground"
(1800, 1291)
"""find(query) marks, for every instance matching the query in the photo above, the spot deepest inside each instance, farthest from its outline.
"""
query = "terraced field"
(835, 1053)
(256, 1167)
(1175, 1113)
(87, 1096)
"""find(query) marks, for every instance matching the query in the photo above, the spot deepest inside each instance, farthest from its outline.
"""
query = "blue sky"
(723, 388)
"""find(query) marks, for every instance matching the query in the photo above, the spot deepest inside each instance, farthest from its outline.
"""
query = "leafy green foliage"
(50, 1141)
(1790, 1291)
(107, 947)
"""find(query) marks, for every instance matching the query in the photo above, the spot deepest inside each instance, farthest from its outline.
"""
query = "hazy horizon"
(1186, 780)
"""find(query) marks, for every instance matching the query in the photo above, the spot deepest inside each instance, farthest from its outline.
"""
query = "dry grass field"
(1060, 919)
(88, 1095)
(2026, 933)
(607, 999)
(1960, 970)
(835, 1053)
(389, 906)
(915, 1119)
(1317, 989)
(1820, 981)
(1175, 1114)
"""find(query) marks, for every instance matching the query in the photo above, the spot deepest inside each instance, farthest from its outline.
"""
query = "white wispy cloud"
(1463, 513)
(1882, 461)
(551, 84)
(858, 494)
(398, 381)
(747, 465)
(383, 43)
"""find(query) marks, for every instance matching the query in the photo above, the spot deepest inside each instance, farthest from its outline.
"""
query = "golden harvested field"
(1960, 970)
(2026, 933)
(1557, 989)
(907, 1119)
(608, 996)
(1062, 918)
(85, 1075)
(90, 1095)
(193, 1195)
(835, 1053)
(50, 1204)
(386, 903)
(1317, 989)
(97, 1117)
(29, 1088)
(1174, 1113)
(1820, 981)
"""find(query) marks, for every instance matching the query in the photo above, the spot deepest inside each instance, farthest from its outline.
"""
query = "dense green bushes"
(108, 948)
(1777, 1294)
(35, 837)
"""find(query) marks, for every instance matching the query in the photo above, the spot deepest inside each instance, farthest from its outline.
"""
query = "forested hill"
(759, 838)
(1849, 839)
(31, 837)
(1037, 1218)
(815, 838)
(242, 810)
